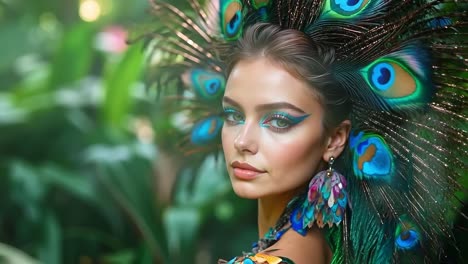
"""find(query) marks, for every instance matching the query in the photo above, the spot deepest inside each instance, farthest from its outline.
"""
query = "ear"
(337, 140)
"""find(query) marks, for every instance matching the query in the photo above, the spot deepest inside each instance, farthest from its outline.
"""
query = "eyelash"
(228, 116)
(230, 119)
(266, 122)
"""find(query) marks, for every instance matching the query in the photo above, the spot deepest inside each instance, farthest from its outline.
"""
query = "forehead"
(260, 81)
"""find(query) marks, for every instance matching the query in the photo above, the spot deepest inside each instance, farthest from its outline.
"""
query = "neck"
(270, 209)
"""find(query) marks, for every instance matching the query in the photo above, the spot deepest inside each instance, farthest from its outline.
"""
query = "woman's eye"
(237, 117)
(232, 116)
(280, 123)
(277, 122)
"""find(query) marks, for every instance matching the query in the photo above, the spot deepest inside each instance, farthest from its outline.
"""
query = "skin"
(287, 153)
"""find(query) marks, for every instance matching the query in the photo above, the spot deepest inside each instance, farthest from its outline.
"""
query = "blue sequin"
(325, 193)
(280, 234)
(342, 202)
(297, 222)
(248, 261)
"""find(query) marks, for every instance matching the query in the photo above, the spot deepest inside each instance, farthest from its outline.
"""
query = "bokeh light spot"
(48, 22)
(90, 10)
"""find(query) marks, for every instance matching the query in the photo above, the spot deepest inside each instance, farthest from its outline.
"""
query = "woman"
(340, 117)
(278, 135)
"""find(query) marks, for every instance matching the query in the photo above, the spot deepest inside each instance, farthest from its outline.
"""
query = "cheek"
(225, 135)
(297, 158)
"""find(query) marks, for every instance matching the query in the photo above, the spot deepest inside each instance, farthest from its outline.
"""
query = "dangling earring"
(325, 202)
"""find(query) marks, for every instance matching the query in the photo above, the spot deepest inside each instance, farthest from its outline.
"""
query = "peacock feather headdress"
(403, 63)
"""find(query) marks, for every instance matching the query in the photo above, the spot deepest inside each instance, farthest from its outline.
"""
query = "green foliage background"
(81, 179)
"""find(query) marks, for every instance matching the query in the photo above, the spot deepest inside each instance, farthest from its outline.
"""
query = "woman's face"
(273, 138)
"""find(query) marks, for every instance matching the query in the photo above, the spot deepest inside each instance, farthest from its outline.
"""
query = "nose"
(246, 139)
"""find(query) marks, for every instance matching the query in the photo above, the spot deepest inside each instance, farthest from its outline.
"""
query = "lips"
(245, 171)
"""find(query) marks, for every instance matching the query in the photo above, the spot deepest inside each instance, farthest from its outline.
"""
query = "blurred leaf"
(109, 154)
(74, 57)
(182, 225)
(121, 257)
(210, 182)
(70, 182)
(28, 188)
(130, 184)
(13, 41)
(9, 113)
(141, 255)
(12, 255)
(29, 96)
(118, 99)
(51, 250)
(224, 210)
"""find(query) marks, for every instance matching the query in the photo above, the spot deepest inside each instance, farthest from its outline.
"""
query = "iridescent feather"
(401, 79)
(231, 18)
(407, 234)
(351, 9)
(372, 158)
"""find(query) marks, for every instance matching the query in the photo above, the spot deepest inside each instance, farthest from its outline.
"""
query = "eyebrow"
(264, 107)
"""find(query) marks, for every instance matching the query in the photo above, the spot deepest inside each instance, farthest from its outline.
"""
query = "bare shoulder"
(309, 249)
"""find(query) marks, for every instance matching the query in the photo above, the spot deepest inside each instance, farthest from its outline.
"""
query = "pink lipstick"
(245, 171)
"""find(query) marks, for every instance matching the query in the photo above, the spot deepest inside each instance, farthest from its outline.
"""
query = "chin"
(246, 190)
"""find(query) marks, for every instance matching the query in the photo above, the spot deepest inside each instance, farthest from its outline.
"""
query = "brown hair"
(303, 58)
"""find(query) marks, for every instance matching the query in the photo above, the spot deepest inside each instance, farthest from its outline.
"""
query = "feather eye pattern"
(401, 79)
(208, 85)
(206, 130)
(429, 164)
(407, 234)
(231, 18)
(351, 9)
(189, 71)
(372, 157)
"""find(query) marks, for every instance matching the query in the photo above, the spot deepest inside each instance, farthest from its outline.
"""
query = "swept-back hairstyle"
(303, 58)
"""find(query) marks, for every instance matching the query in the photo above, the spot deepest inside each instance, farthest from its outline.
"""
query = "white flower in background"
(112, 39)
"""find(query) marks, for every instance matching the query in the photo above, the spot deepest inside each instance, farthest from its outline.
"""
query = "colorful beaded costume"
(404, 65)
